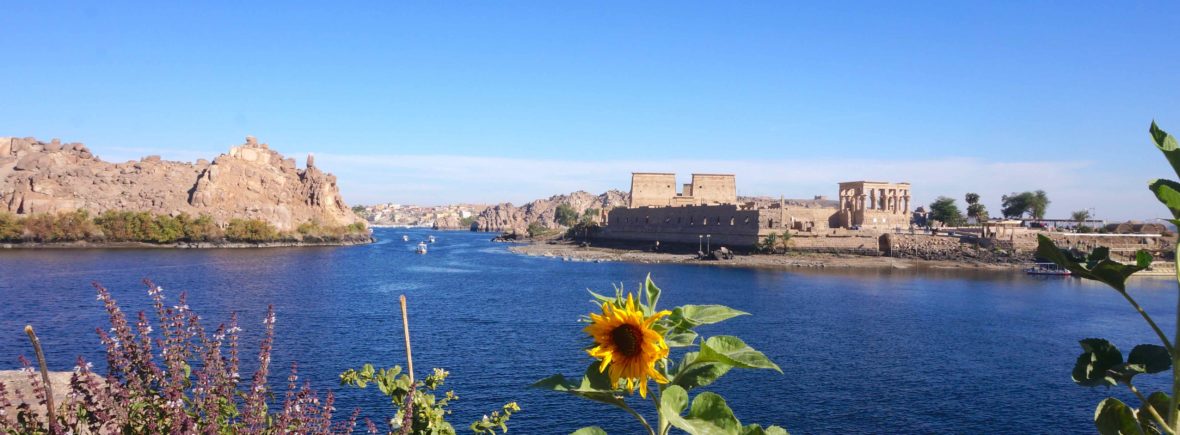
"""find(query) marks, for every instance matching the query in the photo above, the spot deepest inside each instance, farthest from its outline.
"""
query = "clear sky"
(440, 102)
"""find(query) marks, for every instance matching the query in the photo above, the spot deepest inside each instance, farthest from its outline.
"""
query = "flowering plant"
(632, 346)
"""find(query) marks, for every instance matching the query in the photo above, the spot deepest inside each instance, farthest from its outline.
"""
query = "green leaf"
(652, 294)
(1143, 259)
(1167, 145)
(694, 374)
(731, 350)
(589, 430)
(673, 401)
(594, 386)
(1097, 358)
(690, 316)
(1168, 193)
(600, 298)
(680, 338)
(1160, 402)
(1153, 358)
(1113, 417)
(709, 415)
(1103, 269)
(755, 429)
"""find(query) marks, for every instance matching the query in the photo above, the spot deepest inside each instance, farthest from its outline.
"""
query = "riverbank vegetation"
(145, 227)
(171, 375)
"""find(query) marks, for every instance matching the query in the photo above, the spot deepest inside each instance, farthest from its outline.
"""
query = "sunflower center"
(626, 338)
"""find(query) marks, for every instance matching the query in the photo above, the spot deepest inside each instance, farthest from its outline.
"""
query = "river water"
(902, 351)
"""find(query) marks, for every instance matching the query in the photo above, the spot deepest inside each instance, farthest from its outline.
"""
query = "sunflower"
(627, 344)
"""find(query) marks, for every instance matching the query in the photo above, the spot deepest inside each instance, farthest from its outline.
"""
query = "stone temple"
(708, 207)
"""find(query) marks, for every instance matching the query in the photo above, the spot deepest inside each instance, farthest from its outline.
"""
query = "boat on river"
(431, 239)
(1047, 269)
(405, 238)
(421, 248)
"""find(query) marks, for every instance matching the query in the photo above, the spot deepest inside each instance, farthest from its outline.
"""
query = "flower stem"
(44, 379)
(1173, 412)
(1163, 337)
(641, 419)
(1151, 410)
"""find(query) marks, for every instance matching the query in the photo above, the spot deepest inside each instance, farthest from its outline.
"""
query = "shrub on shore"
(193, 385)
(146, 227)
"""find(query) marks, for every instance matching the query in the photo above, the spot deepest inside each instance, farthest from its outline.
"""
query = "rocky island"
(61, 194)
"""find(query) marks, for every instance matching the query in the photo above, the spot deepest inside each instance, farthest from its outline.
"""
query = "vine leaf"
(1093, 365)
(1098, 267)
(1113, 417)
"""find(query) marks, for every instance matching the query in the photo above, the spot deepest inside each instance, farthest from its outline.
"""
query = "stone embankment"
(252, 181)
(792, 260)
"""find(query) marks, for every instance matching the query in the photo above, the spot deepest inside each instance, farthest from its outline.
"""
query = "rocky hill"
(509, 218)
(250, 182)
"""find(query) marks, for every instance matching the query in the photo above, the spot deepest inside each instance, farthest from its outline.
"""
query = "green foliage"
(537, 230)
(1101, 363)
(971, 198)
(566, 215)
(1015, 205)
(589, 215)
(359, 210)
(11, 227)
(714, 357)
(467, 222)
(944, 210)
(424, 412)
(1080, 216)
(775, 243)
(62, 227)
(250, 231)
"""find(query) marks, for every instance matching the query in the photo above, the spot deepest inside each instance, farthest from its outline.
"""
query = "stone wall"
(726, 224)
(708, 189)
(652, 189)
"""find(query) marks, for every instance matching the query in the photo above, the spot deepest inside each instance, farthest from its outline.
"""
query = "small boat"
(1046, 269)
(431, 239)
(421, 248)
(405, 238)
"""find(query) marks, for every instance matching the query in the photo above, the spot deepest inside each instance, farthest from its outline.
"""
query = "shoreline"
(182, 245)
(788, 261)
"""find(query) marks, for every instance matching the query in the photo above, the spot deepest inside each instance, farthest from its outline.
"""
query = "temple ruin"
(708, 207)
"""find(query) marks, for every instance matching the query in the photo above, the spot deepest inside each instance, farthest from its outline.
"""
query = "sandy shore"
(781, 261)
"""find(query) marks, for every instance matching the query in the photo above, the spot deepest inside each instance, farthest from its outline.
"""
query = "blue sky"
(509, 101)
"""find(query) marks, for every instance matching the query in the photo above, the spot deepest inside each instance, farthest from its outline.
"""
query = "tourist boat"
(405, 238)
(431, 239)
(1046, 269)
(421, 247)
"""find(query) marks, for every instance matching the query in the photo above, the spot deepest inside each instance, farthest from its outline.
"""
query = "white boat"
(405, 238)
(431, 239)
(421, 247)
(1047, 269)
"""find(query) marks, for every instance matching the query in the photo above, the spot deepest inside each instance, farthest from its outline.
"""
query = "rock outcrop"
(509, 218)
(250, 182)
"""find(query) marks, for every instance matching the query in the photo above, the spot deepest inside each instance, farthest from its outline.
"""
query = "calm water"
(868, 352)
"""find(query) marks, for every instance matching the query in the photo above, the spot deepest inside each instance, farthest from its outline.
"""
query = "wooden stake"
(44, 379)
(406, 329)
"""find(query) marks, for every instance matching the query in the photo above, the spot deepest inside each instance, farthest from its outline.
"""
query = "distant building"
(708, 208)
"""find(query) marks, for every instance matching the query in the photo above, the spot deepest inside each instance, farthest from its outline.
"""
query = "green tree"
(566, 215)
(1015, 205)
(251, 231)
(944, 210)
(536, 229)
(11, 227)
(589, 215)
(975, 209)
(1080, 216)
